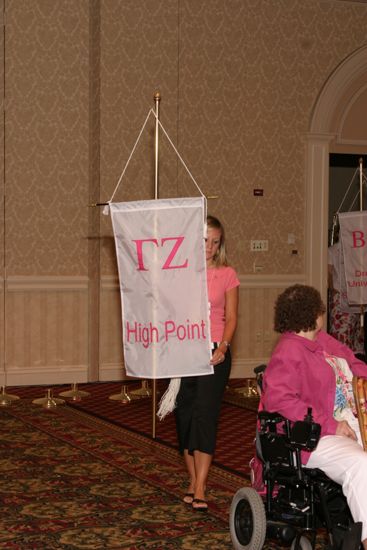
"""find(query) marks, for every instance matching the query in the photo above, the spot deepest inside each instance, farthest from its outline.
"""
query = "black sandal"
(203, 505)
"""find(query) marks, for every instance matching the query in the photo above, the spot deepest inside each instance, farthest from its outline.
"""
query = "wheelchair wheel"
(303, 544)
(247, 520)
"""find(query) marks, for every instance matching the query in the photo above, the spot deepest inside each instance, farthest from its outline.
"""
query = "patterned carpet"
(73, 480)
(236, 429)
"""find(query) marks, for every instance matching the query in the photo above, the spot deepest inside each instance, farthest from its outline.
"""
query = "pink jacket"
(298, 377)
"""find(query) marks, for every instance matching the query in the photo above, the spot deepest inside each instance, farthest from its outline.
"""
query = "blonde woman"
(199, 398)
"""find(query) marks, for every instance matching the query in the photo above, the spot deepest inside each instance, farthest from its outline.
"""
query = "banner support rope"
(158, 123)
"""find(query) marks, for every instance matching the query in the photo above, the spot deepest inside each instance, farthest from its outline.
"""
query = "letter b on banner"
(358, 239)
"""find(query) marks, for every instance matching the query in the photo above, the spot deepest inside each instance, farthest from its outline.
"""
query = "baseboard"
(50, 376)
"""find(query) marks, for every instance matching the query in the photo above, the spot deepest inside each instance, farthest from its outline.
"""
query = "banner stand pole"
(157, 99)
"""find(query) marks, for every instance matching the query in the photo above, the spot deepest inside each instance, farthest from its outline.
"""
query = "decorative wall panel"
(47, 190)
(111, 356)
(46, 330)
(46, 125)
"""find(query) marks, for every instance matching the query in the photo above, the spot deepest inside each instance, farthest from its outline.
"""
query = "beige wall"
(239, 82)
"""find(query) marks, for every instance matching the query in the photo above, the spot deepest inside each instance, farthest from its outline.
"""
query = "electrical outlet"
(259, 246)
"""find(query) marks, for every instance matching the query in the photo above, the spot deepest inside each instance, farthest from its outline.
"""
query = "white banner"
(162, 271)
(353, 232)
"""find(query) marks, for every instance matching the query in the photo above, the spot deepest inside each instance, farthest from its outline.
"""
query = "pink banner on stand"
(162, 271)
(353, 231)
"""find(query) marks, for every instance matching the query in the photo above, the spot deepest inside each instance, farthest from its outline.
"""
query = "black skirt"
(198, 406)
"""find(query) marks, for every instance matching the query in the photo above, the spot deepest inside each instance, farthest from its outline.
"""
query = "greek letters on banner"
(162, 271)
(353, 230)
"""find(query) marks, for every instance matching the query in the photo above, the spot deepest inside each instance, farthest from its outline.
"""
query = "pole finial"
(157, 96)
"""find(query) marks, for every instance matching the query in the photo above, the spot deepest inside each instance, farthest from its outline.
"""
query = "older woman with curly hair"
(309, 368)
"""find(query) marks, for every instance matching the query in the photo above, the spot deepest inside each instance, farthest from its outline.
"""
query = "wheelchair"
(289, 502)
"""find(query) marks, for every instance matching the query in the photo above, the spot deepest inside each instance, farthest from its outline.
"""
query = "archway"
(335, 126)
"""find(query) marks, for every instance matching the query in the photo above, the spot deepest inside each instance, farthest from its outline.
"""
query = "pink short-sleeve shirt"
(219, 280)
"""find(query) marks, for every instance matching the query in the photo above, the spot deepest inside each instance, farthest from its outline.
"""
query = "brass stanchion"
(74, 393)
(49, 401)
(123, 396)
(143, 391)
(6, 398)
(249, 390)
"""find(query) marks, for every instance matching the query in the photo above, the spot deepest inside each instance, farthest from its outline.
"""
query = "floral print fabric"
(345, 327)
(344, 398)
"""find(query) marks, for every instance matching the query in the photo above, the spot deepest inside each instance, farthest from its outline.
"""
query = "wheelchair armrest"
(300, 435)
(305, 435)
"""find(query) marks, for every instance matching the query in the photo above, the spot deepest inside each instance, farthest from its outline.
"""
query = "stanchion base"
(5, 401)
(48, 402)
(6, 398)
(74, 393)
(144, 391)
(123, 396)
